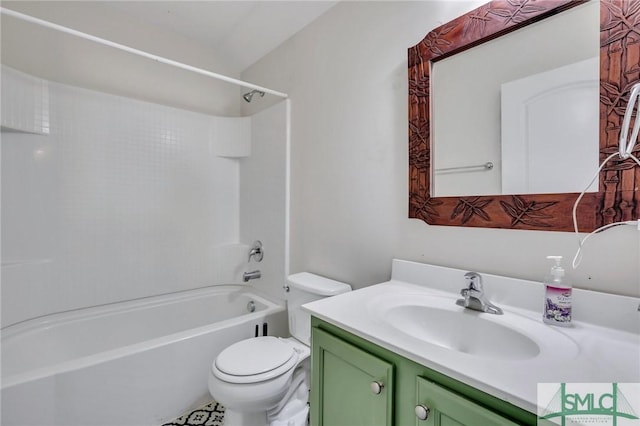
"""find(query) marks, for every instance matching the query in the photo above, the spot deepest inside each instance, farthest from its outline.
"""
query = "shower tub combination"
(141, 362)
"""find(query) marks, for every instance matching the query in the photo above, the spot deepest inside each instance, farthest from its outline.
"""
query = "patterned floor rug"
(210, 415)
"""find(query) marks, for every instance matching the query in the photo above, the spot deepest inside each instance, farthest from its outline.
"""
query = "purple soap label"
(558, 305)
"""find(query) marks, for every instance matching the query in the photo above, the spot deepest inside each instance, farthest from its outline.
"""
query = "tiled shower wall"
(113, 199)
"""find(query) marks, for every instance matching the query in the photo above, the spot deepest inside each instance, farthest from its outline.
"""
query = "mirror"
(527, 103)
(617, 198)
(617, 191)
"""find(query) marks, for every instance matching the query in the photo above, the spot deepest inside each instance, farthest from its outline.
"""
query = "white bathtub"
(135, 363)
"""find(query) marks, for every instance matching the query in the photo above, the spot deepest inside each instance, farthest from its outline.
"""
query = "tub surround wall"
(121, 199)
(25, 102)
(348, 91)
(263, 197)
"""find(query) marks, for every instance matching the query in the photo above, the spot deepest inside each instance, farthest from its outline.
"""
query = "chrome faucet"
(474, 297)
(253, 275)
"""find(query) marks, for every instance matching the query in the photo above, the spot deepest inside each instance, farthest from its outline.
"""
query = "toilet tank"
(306, 287)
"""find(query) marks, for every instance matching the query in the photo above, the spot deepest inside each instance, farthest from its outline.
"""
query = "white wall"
(113, 199)
(346, 75)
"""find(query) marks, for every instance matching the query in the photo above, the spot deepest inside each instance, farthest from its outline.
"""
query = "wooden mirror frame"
(618, 196)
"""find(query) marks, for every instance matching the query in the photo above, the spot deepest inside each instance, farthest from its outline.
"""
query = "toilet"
(264, 381)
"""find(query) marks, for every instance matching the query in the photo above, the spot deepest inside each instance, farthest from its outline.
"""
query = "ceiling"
(242, 31)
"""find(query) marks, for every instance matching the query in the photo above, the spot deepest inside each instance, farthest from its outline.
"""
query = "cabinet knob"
(422, 412)
(376, 387)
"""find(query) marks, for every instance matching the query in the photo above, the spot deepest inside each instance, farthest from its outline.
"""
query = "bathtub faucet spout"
(250, 276)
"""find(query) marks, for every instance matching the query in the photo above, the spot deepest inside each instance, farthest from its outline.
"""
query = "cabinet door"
(345, 381)
(447, 408)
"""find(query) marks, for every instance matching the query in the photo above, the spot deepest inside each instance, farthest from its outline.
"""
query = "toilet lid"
(254, 356)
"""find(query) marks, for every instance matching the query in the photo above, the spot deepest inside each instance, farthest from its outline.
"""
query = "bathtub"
(135, 363)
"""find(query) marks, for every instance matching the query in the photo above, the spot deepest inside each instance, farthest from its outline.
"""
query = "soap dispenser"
(557, 303)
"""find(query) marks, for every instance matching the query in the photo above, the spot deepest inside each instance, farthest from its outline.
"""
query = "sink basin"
(465, 331)
(438, 321)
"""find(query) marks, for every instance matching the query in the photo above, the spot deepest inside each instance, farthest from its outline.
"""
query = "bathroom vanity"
(384, 388)
(404, 353)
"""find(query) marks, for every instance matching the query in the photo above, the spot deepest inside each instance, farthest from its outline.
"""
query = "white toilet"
(265, 380)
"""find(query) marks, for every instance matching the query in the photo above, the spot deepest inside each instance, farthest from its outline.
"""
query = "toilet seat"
(255, 360)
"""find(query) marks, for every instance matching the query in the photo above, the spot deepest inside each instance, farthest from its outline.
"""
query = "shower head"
(247, 96)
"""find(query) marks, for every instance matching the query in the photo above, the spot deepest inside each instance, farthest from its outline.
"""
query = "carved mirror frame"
(618, 195)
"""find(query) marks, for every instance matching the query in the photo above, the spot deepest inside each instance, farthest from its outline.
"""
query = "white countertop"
(602, 345)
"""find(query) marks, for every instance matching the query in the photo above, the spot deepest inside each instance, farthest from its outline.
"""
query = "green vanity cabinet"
(437, 406)
(354, 387)
(356, 382)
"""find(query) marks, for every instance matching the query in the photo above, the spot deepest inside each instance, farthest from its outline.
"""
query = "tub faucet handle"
(256, 251)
